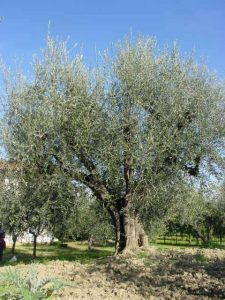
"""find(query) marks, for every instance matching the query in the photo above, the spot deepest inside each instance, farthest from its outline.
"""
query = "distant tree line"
(198, 218)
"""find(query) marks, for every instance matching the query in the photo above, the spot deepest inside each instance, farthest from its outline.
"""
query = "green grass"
(172, 243)
(76, 251)
(6, 290)
(143, 254)
(200, 258)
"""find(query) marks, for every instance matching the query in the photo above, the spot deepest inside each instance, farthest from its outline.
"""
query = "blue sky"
(194, 24)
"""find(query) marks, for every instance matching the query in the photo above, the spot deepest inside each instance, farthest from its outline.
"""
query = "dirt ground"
(154, 275)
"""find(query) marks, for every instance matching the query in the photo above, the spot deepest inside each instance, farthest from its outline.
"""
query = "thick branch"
(86, 161)
(90, 180)
(128, 160)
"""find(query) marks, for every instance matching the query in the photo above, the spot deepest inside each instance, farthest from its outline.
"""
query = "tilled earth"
(172, 274)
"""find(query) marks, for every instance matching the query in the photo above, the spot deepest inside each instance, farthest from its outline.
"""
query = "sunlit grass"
(172, 242)
(78, 251)
(75, 251)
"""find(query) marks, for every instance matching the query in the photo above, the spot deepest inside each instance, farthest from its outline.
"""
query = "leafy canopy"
(134, 126)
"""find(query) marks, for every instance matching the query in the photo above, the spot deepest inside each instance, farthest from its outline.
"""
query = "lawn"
(75, 251)
(78, 251)
(173, 242)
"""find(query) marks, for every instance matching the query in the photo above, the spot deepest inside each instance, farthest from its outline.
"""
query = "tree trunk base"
(132, 238)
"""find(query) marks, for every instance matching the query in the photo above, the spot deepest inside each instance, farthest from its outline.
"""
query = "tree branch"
(90, 180)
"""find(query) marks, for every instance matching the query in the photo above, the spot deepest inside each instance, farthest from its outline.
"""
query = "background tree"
(198, 214)
(91, 221)
(12, 211)
(34, 204)
(129, 132)
(61, 207)
(220, 212)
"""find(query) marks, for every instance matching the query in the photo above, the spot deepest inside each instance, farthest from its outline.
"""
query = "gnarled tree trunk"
(129, 232)
(135, 234)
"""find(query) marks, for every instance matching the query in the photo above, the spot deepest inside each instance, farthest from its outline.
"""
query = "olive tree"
(130, 129)
(61, 206)
(220, 213)
(12, 211)
(35, 188)
(90, 221)
(23, 200)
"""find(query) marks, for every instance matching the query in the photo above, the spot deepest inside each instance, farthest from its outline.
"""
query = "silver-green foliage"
(90, 221)
(130, 129)
(30, 286)
(12, 211)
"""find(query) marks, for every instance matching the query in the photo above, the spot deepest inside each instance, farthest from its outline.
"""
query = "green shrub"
(30, 286)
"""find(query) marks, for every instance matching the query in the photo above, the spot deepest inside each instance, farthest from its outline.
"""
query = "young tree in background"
(60, 207)
(91, 221)
(12, 211)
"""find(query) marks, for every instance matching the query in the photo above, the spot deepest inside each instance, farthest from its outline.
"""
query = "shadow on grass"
(46, 253)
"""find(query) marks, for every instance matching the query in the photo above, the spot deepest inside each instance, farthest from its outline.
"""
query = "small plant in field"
(30, 286)
(200, 258)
